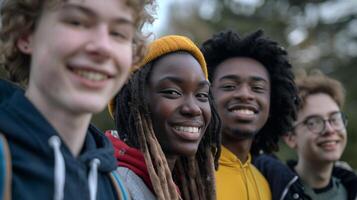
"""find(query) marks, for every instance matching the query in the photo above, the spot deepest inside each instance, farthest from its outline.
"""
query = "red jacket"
(130, 158)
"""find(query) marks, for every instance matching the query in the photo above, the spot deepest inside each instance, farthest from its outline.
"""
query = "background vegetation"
(317, 34)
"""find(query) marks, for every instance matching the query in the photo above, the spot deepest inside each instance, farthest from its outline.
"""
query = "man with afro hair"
(254, 90)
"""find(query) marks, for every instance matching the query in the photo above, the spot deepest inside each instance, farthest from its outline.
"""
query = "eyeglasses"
(317, 124)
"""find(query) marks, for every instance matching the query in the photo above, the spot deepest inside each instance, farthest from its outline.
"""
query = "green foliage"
(313, 38)
(103, 121)
(2, 73)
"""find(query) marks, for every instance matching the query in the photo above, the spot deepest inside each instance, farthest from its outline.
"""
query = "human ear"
(24, 44)
(290, 140)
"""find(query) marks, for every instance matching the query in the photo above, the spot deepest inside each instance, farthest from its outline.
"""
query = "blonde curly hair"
(316, 82)
(19, 17)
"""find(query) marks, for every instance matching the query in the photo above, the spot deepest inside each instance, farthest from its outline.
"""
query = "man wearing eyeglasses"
(319, 138)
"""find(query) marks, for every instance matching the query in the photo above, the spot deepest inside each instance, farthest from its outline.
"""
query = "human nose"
(99, 45)
(244, 92)
(190, 107)
(328, 128)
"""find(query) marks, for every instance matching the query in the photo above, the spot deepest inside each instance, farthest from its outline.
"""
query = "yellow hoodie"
(235, 180)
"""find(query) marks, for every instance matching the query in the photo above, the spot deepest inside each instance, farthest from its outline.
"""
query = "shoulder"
(135, 185)
(270, 165)
(342, 171)
(347, 176)
(283, 181)
(7, 89)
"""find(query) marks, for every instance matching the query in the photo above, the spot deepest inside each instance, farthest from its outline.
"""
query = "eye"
(313, 122)
(122, 32)
(75, 22)
(202, 96)
(228, 87)
(336, 119)
(118, 34)
(170, 93)
(259, 89)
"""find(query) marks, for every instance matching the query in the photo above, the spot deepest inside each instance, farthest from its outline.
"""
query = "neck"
(71, 127)
(316, 175)
(171, 160)
(240, 148)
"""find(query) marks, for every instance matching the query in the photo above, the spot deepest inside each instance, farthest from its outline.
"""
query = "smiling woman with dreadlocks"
(166, 117)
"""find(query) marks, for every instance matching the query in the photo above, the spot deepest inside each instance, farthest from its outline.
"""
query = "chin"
(189, 154)
(92, 104)
(327, 158)
(188, 151)
(92, 108)
(240, 133)
(333, 158)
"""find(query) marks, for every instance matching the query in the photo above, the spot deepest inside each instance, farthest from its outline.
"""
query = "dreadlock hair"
(193, 175)
(284, 98)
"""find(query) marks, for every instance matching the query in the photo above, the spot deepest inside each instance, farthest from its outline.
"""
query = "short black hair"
(284, 98)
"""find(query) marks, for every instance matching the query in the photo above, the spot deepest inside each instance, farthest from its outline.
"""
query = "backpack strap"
(118, 184)
(5, 169)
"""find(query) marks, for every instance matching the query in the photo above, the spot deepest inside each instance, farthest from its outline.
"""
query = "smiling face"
(178, 100)
(241, 89)
(326, 147)
(81, 53)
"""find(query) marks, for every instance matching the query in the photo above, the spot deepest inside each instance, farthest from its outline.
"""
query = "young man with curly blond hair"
(319, 137)
(72, 57)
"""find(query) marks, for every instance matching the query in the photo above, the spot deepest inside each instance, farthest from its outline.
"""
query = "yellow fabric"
(235, 180)
(163, 46)
(172, 43)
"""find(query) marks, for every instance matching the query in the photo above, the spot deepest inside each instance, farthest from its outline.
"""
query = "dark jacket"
(347, 176)
(7, 89)
(284, 183)
(35, 161)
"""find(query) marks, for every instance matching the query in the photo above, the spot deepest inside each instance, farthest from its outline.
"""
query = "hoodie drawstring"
(60, 168)
(93, 178)
(60, 171)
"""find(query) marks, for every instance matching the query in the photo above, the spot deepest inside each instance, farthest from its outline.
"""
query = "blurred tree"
(2, 73)
(103, 121)
(318, 34)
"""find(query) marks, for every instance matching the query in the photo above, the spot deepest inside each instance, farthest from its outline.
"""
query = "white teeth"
(244, 111)
(329, 143)
(190, 129)
(90, 75)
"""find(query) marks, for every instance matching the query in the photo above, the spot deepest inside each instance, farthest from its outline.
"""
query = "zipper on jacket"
(286, 189)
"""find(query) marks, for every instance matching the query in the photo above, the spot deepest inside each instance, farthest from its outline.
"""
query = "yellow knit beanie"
(165, 45)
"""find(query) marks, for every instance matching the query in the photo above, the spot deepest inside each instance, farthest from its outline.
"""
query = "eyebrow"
(317, 115)
(181, 81)
(204, 83)
(90, 12)
(310, 116)
(236, 78)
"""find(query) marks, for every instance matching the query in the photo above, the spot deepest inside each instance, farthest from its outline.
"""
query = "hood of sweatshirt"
(130, 158)
(228, 159)
(35, 160)
(7, 89)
